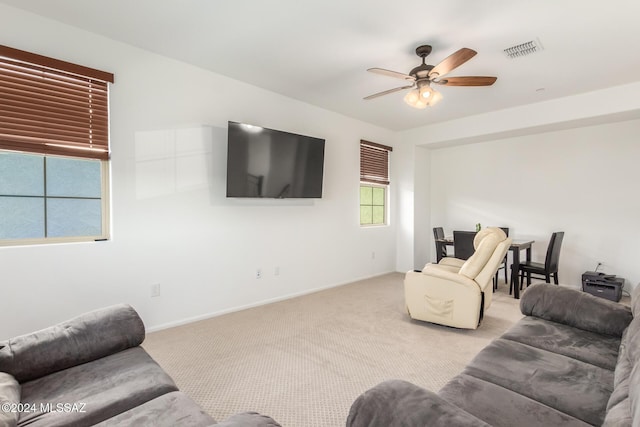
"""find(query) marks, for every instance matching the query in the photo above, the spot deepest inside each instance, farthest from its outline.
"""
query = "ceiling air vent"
(523, 49)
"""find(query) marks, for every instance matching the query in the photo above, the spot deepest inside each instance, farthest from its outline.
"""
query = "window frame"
(105, 209)
(56, 109)
(385, 205)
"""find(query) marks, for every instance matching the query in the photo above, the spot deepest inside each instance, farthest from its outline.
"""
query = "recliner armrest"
(400, 403)
(575, 308)
(442, 272)
(453, 262)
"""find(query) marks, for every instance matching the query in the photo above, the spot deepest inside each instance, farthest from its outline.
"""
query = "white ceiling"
(317, 51)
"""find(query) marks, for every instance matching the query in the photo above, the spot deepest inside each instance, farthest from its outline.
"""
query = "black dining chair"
(502, 265)
(438, 234)
(550, 266)
(463, 244)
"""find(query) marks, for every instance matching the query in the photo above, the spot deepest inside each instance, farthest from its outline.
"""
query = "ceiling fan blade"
(386, 92)
(467, 81)
(390, 73)
(452, 61)
(434, 98)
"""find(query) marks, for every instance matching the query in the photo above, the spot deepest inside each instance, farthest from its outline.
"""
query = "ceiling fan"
(422, 76)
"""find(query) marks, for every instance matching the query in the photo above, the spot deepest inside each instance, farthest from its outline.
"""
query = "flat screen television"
(268, 163)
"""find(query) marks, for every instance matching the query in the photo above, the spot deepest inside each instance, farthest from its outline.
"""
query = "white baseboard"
(205, 316)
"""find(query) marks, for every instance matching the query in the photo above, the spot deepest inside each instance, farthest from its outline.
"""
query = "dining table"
(516, 247)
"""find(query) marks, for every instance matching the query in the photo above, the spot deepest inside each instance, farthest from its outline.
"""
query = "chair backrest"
(490, 268)
(463, 244)
(506, 230)
(482, 265)
(438, 233)
(553, 252)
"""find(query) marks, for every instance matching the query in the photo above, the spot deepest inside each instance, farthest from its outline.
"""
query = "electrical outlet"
(276, 271)
(155, 290)
(258, 273)
(373, 255)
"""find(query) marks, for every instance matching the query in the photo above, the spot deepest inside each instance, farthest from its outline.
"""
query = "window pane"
(366, 215)
(21, 174)
(73, 177)
(365, 195)
(378, 196)
(74, 217)
(378, 215)
(22, 217)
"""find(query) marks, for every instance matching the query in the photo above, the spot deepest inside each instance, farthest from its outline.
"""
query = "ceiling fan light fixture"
(412, 97)
(425, 92)
(420, 104)
(434, 98)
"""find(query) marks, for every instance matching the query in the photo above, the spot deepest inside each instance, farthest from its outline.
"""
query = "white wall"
(581, 181)
(413, 203)
(171, 221)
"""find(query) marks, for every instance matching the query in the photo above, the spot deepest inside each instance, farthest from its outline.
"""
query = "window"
(54, 150)
(372, 204)
(374, 183)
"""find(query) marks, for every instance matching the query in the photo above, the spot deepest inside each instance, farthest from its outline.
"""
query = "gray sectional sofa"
(91, 370)
(573, 360)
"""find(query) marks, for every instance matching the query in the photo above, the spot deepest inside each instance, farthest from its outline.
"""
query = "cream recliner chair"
(456, 292)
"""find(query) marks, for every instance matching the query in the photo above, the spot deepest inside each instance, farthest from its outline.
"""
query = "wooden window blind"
(374, 162)
(48, 106)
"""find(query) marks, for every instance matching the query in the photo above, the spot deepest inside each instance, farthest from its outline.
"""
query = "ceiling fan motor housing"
(422, 70)
(423, 51)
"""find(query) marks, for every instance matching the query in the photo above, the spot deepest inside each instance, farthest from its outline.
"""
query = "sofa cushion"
(100, 389)
(9, 395)
(623, 365)
(477, 396)
(249, 419)
(576, 388)
(82, 339)
(622, 374)
(169, 410)
(632, 350)
(578, 309)
(619, 415)
(590, 347)
(400, 403)
(635, 301)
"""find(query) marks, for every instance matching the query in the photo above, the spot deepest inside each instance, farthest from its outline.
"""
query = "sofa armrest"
(9, 395)
(400, 403)
(575, 308)
(248, 419)
(83, 339)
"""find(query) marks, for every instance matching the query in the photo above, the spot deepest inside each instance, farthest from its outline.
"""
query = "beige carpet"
(303, 361)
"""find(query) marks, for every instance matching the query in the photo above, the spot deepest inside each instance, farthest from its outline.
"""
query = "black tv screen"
(270, 163)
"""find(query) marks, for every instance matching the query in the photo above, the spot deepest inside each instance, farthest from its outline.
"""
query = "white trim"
(256, 304)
